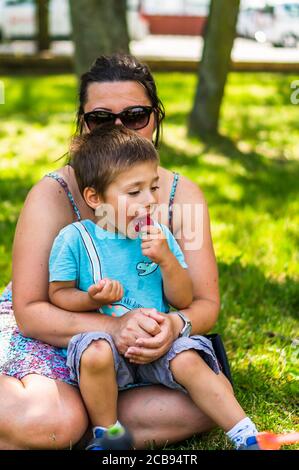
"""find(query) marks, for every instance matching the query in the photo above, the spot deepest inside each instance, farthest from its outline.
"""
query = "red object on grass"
(271, 441)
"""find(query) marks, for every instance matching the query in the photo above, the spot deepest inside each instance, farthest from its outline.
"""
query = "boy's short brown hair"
(100, 156)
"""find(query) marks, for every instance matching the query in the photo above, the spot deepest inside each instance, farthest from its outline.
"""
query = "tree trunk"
(99, 27)
(214, 67)
(42, 22)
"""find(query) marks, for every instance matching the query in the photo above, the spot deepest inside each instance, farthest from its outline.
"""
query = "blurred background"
(155, 26)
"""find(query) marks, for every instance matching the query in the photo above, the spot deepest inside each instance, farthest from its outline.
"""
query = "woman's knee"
(45, 419)
(160, 415)
(97, 356)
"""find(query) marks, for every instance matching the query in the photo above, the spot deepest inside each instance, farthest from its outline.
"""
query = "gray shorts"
(132, 375)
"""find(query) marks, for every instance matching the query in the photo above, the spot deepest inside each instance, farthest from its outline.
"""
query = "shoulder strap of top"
(91, 250)
(65, 187)
(171, 199)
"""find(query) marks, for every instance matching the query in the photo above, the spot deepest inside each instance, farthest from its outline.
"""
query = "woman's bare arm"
(202, 267)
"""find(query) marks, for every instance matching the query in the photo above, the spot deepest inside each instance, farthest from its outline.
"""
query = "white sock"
(243, 429)
(103, 428)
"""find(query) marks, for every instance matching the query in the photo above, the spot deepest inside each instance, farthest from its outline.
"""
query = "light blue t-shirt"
(85, 253)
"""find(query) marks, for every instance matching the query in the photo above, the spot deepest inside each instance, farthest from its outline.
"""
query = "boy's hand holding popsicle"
(154, 243)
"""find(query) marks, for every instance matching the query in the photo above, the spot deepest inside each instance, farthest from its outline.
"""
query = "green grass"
(250, 179)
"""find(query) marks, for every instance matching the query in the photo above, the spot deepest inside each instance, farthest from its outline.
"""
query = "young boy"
(122, 260)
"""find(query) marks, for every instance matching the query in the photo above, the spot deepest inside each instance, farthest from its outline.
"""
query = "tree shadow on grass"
(15, 189)
(246, 285)
(37, 99)
(267, 183)
(13, 192)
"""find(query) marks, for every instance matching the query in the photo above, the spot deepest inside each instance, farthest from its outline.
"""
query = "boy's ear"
(92, 198)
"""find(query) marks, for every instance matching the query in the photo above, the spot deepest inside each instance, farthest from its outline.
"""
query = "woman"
(41, 409)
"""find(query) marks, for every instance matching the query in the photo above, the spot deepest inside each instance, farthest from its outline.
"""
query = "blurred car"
(18, 20)
(276, 22)
(1, 18)
(284, 29)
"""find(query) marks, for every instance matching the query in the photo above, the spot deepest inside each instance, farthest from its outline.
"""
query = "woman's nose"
(117, 122)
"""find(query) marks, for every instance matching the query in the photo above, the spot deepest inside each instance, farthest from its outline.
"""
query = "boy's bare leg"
(206, 389)
(98, 384)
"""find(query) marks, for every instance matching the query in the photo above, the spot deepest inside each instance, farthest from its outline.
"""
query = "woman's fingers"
(155, 342)
(140, 361)
(141, 355)
(138, 354)
(151, 348)
(149, 324)
(154, 314)
(138, 323)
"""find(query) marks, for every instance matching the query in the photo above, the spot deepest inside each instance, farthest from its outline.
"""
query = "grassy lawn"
(250, 179)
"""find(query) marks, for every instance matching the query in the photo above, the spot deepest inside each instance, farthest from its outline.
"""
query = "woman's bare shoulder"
(188, 191)
(48, 196)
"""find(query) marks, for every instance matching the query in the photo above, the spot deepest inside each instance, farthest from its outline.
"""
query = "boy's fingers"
(146, 244)
(92, 290)
(120, 291)
(115, 287)
(108, 287)
(149, 231)
(115, 291)
(96, 288)
(101, 284)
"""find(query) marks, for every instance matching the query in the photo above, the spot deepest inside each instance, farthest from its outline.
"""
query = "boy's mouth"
(142, 221)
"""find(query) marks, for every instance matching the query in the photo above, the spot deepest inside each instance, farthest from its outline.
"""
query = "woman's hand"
(138, 323)
(148, 349)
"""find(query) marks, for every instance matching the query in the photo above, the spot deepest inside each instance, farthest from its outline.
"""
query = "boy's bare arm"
(65, 295)
(177, 283)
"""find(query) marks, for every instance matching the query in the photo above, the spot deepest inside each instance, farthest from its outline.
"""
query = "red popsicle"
(143, 221)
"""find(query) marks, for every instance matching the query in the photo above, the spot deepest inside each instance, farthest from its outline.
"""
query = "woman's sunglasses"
(134, 118)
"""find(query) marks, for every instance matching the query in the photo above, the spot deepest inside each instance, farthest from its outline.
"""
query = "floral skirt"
(20, 356)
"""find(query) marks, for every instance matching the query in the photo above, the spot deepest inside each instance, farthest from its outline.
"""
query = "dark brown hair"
(101, 155)
(117, 68)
